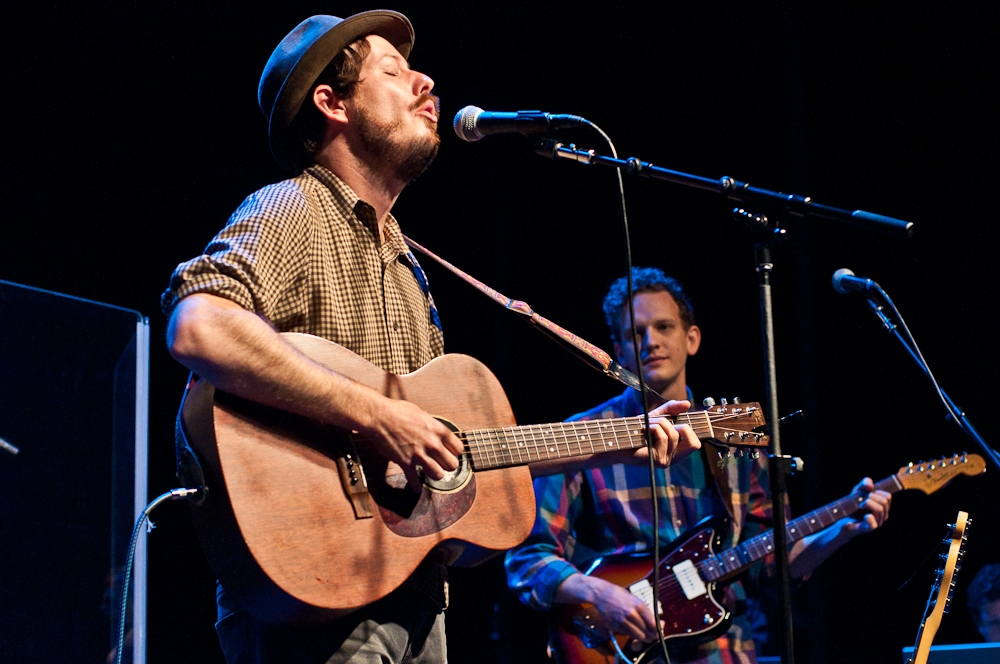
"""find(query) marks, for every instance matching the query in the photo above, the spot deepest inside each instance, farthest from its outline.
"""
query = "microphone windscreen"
(465, 123)
(838, 277)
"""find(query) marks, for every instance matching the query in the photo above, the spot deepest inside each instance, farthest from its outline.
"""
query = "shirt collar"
(348, 203)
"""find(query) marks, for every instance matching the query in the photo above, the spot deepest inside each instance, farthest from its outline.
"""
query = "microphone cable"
(911, 345)
(173, 494)
(645, 403)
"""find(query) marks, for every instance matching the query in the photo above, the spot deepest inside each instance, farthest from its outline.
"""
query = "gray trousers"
(402, 628)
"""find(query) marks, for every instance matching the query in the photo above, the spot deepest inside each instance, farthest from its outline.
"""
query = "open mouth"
(428, 106)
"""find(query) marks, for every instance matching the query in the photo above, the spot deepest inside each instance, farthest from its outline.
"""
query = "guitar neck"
(733, 561)
(521, 445)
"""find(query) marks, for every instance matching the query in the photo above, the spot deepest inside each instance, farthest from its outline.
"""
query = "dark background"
(132, 132)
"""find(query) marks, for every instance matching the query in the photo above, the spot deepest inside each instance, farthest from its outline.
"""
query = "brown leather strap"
(583, 348)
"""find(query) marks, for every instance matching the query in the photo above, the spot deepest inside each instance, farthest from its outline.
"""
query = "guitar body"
(577, 637)
(691, 572)
(287, 524)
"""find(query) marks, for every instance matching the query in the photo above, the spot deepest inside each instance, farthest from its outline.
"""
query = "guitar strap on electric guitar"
(592, 355)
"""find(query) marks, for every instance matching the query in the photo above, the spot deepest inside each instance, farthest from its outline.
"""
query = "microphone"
(845, 282)
(472, 123)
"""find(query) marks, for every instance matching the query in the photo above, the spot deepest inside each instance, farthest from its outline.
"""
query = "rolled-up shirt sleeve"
(536, 568)
(259, 260)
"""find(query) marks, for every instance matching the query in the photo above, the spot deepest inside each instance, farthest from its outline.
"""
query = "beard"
(403, 160)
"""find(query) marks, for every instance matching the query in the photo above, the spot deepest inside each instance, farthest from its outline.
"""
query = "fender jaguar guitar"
(691, 572)
(302, 520)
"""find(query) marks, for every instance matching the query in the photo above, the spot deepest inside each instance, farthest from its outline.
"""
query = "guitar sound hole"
(439, 504)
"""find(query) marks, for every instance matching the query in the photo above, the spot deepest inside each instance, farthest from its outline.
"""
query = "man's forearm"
(240, 353)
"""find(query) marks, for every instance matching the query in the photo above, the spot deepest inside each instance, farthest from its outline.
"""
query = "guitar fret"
(507, 458)
(555, 443)
(509, 434)
(580, 438)
(519, 444)
(483, 451)
(489, 447)
(534, 441)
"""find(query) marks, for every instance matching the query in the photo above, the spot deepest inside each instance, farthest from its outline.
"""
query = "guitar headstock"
(739, 425)
(929, 476)
(943, 587)
(951, 564)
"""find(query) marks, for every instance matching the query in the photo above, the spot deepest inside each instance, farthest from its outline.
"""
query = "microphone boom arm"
(799, 206)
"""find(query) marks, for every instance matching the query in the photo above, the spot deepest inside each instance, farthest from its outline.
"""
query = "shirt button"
(395, 327)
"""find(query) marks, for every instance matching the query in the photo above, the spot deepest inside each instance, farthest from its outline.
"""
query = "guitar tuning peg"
(737, 400)
(725, 402)
(708, 402)
(739, 454)
(755, 455)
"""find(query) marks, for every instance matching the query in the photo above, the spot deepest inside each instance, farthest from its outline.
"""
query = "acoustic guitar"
(943, 587)
(691, 572)
(305, 521)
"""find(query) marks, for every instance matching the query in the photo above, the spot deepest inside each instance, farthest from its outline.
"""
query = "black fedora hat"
(303, 55)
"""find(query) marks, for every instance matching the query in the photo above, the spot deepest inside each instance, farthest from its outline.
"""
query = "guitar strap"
(580, 347)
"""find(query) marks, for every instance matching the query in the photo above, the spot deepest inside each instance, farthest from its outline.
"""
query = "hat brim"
(392, 26)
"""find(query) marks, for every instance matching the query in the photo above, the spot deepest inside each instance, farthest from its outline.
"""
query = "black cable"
(645, 400)
(174, 494)
(910, 344)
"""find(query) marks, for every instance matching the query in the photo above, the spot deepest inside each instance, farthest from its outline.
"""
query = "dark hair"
(644, 280)
(984, 589)
(342, 74)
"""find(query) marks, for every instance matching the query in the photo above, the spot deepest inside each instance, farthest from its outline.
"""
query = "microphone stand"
(765, 236)
(954, 412)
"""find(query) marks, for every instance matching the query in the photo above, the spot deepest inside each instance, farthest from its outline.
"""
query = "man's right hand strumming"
(621, 612)
(404, 433)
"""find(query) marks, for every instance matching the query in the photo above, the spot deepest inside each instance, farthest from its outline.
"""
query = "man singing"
(322, 254)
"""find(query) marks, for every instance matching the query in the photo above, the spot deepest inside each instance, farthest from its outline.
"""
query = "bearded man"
(321, 254)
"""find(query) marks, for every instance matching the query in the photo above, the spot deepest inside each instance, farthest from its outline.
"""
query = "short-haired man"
(984, 601)
(594, 513)
(321, 254)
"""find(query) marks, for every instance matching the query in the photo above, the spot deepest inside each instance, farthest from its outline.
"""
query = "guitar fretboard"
(740, 557)
(520, 445)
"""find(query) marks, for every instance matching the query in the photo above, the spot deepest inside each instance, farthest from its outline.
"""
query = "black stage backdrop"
(132, 132)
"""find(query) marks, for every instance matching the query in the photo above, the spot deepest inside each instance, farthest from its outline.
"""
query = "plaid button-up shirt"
(306, 255)
(605, 511)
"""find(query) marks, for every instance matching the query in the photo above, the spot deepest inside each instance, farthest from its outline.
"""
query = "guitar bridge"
(352, 478)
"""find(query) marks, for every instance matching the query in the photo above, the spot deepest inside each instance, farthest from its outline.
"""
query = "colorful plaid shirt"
(590, 514)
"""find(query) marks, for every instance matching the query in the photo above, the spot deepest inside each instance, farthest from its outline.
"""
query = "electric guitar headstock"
(929, 476)
(943, 587)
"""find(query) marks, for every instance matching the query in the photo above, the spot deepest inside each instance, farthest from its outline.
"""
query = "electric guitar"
(305, 521)
(691, 572)
(941, 590)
